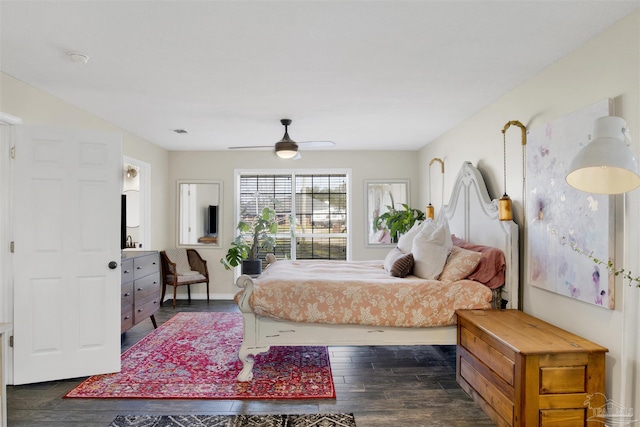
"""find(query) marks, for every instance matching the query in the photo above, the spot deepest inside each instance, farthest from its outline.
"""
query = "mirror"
(199, 212)
(380, 196)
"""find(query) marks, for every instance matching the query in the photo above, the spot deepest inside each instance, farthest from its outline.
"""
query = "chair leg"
(189, 292)
(207, 292)
(175, 291)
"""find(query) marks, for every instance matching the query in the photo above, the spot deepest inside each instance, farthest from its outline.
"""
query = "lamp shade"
(286, 149)
(605, 165)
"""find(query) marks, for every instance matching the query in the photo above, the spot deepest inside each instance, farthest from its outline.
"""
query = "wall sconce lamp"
(131, 172)
(429, 211)
(505, 206)
(606, 165)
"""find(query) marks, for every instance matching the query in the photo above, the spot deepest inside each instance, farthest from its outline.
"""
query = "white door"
(67, 186)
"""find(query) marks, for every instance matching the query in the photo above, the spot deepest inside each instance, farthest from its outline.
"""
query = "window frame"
(238, 173)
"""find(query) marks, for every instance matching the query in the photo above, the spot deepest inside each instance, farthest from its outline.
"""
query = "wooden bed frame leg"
(246, 355)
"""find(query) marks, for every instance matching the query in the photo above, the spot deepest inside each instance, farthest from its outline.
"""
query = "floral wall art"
(565, 224)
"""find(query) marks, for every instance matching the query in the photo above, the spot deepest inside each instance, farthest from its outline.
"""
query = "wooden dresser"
(525, 372)
(140, 288)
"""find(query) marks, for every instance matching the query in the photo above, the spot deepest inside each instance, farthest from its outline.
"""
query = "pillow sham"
(430, 250)
(405, 241)
(492, 265)
(460, 264)
(397, 263)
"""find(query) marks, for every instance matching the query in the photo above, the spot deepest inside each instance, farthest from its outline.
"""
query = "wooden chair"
(182, 267)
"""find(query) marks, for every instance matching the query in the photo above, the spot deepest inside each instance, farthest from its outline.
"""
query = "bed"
(471, 215)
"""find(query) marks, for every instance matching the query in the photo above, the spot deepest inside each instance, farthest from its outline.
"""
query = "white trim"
(7, 139)
(294, 172)
(220, 236)
(8, 119)
(145, 200)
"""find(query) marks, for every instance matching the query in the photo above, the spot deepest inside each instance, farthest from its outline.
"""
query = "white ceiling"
(364, 74)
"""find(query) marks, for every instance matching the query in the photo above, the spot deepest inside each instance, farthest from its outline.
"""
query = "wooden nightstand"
(525, 372)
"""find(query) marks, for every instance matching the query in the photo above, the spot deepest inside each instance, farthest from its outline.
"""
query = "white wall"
(35, 107)
(606, 67)
(220, 165)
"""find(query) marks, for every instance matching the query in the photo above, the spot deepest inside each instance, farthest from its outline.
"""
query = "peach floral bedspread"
(360, 292)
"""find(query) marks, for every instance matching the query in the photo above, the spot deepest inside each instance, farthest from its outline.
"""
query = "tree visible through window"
(318, 202)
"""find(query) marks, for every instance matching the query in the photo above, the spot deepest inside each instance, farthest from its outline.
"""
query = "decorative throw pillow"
(397, 263)
(405, 241)
(460, 264)
(492, 265)
(431, 247)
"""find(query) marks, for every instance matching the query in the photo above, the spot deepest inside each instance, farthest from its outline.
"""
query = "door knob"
(113, 265)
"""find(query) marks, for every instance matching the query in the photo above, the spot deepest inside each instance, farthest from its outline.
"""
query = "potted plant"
(396, 221)
(258, 233)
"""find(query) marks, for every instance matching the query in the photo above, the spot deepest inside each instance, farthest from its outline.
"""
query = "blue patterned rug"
(307, 420)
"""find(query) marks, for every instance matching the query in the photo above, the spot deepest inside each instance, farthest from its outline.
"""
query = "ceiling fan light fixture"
(286, 150)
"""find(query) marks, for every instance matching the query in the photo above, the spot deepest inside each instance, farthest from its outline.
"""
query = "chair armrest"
(168, 267)
(197, 263)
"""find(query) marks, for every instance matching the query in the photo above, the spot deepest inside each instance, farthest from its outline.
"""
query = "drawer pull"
(127, 317)
(139, 267)
(139, 289)
(127, 294)
(127, 271)
(139, 310)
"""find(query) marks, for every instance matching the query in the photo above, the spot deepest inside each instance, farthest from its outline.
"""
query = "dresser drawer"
(127, 270)
(126, 294)
(146, 308)
(147, 286)
(126, 318)
(482, 347)
(145, 265)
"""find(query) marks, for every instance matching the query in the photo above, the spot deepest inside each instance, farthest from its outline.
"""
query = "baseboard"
(200, 296)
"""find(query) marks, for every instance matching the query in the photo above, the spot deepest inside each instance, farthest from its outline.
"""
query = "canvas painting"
(567, 226)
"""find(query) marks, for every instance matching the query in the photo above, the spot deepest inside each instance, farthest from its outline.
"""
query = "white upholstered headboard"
(473, 216)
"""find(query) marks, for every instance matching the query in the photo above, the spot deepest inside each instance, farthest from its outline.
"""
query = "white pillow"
(431, 247)
(405, 241)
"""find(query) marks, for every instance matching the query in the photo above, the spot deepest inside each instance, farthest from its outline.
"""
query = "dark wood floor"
(382, 386)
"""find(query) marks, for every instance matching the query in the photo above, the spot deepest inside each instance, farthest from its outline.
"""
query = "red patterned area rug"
(195, 356)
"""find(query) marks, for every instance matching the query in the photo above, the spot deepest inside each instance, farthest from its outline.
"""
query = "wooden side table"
(523, 371)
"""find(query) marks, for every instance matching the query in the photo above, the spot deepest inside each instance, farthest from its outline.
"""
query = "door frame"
(7, 122)
(144, 172)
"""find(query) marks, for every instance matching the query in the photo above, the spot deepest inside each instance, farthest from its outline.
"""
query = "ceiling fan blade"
(250, 147)
(316, 144)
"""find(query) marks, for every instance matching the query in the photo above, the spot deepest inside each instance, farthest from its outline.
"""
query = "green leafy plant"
(396, 221)
(259, 233)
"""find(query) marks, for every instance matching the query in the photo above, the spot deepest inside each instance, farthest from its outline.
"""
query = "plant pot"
(252, 267)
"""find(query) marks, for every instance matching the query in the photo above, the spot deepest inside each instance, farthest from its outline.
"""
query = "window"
(317, 201)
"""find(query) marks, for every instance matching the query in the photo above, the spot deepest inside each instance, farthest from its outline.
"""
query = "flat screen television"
(123, 222)
(212, 222)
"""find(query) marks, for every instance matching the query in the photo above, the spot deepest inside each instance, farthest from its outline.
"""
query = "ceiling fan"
(287, 148)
